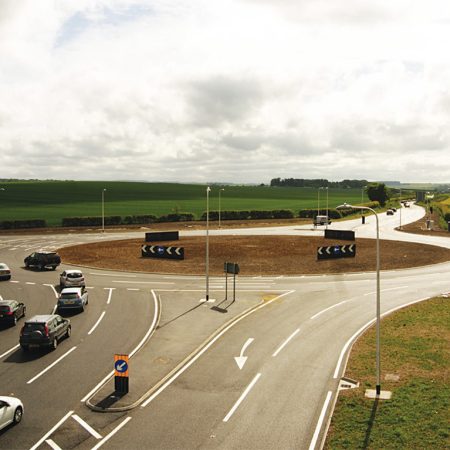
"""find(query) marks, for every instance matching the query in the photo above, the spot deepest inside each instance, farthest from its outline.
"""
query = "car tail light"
(9, 313)
(46, 330)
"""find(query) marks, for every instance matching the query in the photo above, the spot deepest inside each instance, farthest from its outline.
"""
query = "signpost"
(121, 384)
(233, 268)
(344, 235)
(336, 251)
(162, 236)
(161, 251)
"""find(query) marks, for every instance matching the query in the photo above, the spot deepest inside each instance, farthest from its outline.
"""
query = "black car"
(44, 331)
(11, 311)
(43, 260)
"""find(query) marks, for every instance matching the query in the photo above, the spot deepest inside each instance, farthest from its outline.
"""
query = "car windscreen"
(68, 296)
(74, 275)
(4, 309)
(29, 327)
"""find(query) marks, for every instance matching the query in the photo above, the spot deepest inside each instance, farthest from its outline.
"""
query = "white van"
(321, 220)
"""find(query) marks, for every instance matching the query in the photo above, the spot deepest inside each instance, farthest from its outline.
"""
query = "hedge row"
(18, 224)
(249, 215)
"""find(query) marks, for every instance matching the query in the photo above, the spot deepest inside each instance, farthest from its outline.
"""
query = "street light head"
(344, 206)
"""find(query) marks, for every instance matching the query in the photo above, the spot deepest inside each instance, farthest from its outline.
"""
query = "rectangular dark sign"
(161, 236)
(161, 251)
(344, 235)
(336, 251)
(229, 267)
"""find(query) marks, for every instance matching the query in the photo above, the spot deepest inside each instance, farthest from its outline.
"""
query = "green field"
(53, 200)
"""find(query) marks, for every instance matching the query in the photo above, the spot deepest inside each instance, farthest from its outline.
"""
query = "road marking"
(14, 281)
(312, 445)
(144, 282)
(54, 290)
(30, 282)
(113, 432)
(96, 323)
(109, 295)
(386, 290)
(53, 444)
(51, 365)
(10, 350)
(112, 275)
(133, 289)
(242, 397)
(38, 443)
(206, 347)
(286, 342)
(241, 359)
(86, 426)
(326, 309)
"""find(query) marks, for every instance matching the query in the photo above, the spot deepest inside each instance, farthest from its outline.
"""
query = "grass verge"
(415, 348)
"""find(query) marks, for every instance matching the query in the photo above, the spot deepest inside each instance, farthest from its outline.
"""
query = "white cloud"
(240, 90)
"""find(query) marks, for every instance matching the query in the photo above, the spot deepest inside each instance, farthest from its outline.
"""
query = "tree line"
(319, 182)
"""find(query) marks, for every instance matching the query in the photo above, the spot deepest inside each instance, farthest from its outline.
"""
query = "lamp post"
(103, 210)
(344, 206)
(328, 219)
(318, 200)
(220, 191)
(208, 190)
(401, 206)
(362, 201)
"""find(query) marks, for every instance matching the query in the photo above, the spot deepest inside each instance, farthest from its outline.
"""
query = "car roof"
(71, 290)
(4, 265)
(7, 302)
(73, 271)
(42, 318)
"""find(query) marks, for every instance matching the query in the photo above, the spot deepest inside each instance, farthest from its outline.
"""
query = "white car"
(5, 272)
(11, 411)
(71, 278)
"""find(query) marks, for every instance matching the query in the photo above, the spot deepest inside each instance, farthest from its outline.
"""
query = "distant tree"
(378, 192)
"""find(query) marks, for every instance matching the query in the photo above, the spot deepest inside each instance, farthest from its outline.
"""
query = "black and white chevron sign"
(161, 251)
(336, 251)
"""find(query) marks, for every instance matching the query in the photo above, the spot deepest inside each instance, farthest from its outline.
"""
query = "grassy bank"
(53, 200)
(415, 347)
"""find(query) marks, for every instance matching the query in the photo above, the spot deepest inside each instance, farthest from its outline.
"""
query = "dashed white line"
(386, 290)
(86, 426)
(9, 351)
(327, 309)
(109, 295)
(286, 342)
(96, 323)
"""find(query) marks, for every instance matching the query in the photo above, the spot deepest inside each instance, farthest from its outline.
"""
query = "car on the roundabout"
(71, 277)
(42, 260)
(73, 298)
(5, 272)
(11, 411)
(11, 311)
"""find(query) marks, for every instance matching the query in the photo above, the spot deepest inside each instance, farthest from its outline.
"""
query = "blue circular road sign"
(121, 366)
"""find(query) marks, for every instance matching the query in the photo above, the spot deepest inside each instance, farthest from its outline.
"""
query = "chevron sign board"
(336, 251)
(161, 251)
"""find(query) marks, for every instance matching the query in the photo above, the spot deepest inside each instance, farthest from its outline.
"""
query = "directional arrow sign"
(160, 251)
(121, 365)
(241, 359)
(336, 251)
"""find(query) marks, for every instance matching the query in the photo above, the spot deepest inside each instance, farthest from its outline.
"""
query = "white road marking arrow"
(241, 360)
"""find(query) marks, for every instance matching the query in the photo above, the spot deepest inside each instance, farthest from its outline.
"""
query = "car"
(11, 311)
(11, 411)
(44, 331)
(73, 298)
(43, 260)
(321, 220)
(5, 272)
(70, 278)
(389, 212)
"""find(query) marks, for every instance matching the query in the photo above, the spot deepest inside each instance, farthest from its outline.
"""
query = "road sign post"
(121, 379)
(234, 269)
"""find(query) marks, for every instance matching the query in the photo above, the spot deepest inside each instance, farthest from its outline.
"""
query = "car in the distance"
(322, 220)
(70, 278)
(73, 298)
(11, 311)
(390, 212)
(42, 260)
(44, 331)
(11, 411)
(5, 272)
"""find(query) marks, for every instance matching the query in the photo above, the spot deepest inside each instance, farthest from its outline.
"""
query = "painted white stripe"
(30, 282)
(386, 290)
(38, 443)
(313, 443)
(109, 295)
(143, 282)
(53, 288)
(133, 289)
(9, 351)
(242, 397)
(96, 323)
(325, 310)
(51, 365)
(113, 432)
(14, 281)
(206, 347)
(53, 444)
(286, 342)
(86, 426)
(112, 275)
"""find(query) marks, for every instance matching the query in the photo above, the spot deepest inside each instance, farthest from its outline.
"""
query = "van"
(321, 220)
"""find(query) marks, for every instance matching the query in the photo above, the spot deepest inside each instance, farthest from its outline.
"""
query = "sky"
(236, 91)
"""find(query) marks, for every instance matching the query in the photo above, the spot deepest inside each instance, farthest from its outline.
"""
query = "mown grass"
(415, 346)
(53, 200)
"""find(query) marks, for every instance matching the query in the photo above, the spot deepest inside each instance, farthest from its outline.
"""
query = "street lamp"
(103, 210)
(328, 219)
(346, 206)
(208, 190)
(219, 203)
(401, 206)
(318, 200)
(362, 201)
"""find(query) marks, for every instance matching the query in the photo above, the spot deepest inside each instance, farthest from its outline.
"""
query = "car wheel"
(68, 332)
(54, 344)
(18, 413)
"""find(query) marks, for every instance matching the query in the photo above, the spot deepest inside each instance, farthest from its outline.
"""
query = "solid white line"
(38, 443)
(53, 444)
(86, 426)
(150, 330)
(144, 282)
(112, 275)
(113, 432)
(96, 323)
(206, 347)
(10, 350)
(324, 310)
(51, 365)
(109, 295)
(286, 342)
(312, 446)
(386, 290)
(242, 397)
(53, 288)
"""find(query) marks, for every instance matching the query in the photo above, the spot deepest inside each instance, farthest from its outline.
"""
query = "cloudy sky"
(225, 90)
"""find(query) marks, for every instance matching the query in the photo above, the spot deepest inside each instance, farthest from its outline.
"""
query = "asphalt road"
(293, 348)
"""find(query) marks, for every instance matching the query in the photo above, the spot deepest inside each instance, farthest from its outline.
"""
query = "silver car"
(11, 411)
(71, 278)
(5, 272)
(73, 298)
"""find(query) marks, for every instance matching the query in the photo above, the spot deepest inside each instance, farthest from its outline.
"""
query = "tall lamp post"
(103, 210)
(318, 200)
(208, 190)
(328, 219)
(401, 206)
(346, 206)
(220, 191)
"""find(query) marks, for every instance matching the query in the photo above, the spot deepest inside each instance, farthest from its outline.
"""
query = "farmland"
(54, 200)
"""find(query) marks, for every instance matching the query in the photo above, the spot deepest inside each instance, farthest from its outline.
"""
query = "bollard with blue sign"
(121, 380)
